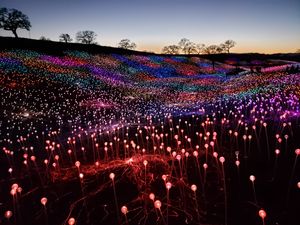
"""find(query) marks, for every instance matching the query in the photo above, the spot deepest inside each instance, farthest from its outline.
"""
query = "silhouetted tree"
(227, 45)
(86, 37)
(12, 19)
(43, 38)
(200, 48)
(126, 44)
(65, 38)
(187, 46)
(212, 49)
(171, 49)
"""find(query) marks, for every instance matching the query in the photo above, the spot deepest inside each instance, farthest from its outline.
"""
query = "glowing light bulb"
(252, 178)
(194, 187)
(77, 164)
(205, 166)
(124, 210)
(8, 214)
(215, 154)
(157, 204)
(81, 175)
(71, 221)
(112, 176)
(237, 163)
(145, 162)
(13, 192)
(297, 151)
(277, 151)
(14, 186)
(262, 213)
(168, 185)
(195, 153)
(152, 196)
(44, 201)
(222, 159)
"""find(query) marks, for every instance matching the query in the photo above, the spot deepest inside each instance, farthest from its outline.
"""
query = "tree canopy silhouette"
(86, 37)
(12, 19)
(187, 46)
(127, 44)
(227, 45)
(43, 38)
(65, 38)
(171, 49)
(213, 49)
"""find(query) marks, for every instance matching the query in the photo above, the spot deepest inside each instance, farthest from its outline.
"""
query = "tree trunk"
(15, 33)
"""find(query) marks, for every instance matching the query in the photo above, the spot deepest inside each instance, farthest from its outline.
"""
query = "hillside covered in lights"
(124, 137)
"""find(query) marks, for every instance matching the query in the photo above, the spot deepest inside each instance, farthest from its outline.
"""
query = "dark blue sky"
(256, 25)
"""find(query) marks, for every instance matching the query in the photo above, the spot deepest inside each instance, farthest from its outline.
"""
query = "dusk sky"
(266, 26)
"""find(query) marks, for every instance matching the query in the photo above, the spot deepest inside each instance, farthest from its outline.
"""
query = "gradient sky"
(266, 26)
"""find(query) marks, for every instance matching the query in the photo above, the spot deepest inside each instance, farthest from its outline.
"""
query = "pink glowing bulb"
(81, 175)
(193, 187)
(8, 214)
(237, 163)
(168, 185)
(71, 221)
(10, 170)
(298, 184)
(77, 164)
(178, 157)
(124, 210)
(152, 196)
(206, 146)
(205, 166)
(164, 177)
(297, 151)
(262, 214)
(44, 201)
(195, 153)
(157, 204)
(112, 176)
(252, 178)
(169, 149)
(222, 159)
(13, 192)
(277, 151)
(145, 162)
(215, 154)
(174, 154)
